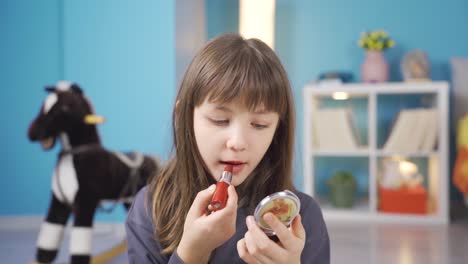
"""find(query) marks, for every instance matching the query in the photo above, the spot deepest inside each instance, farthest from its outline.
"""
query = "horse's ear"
(76, 88)
(50, 89)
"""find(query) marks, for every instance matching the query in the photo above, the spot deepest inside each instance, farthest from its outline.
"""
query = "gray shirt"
(143, 247)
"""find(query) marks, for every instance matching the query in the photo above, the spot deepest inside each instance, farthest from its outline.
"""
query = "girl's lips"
(233, 162)
(237, 166)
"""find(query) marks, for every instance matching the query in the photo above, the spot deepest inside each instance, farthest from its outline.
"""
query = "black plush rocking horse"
(85, 174)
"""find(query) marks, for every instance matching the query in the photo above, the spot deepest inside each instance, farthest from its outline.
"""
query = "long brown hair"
(229, 68)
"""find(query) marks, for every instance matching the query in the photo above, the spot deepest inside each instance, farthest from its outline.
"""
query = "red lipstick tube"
(220, 195)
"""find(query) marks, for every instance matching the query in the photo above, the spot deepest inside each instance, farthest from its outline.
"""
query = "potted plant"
(342, 187)
(375, 67)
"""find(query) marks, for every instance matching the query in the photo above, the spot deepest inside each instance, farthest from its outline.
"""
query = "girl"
(234, 107)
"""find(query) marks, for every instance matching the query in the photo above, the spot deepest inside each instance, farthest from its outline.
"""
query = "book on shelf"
(401, 130)
(335, 130)
(414, 130)
(430, 139)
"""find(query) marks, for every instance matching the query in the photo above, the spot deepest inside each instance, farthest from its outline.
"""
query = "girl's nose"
(237, 139)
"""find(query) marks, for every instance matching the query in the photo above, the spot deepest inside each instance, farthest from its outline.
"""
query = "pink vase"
(374, 68)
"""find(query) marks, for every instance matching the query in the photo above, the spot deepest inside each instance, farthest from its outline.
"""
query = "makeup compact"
(284, 205)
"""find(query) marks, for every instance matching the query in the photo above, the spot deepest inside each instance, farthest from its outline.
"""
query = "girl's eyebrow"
(223, 108)
(261, 111)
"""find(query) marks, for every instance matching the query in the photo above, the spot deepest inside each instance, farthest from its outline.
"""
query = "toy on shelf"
(415, 66)
(85, 174)
(401, 189)
(399, 173)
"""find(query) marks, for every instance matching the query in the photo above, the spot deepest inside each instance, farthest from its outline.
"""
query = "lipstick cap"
(285, 205)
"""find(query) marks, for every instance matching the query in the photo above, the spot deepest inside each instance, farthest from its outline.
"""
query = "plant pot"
(374, 67)
(342, 195)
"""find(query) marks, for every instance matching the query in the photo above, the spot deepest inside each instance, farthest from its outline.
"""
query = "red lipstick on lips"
(220, 195)
(237, 166)
(234, 163)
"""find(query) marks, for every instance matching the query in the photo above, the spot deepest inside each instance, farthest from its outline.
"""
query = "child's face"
(230, 134)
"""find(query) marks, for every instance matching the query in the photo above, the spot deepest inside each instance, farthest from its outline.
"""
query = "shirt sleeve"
(317, 245)
(143, 246)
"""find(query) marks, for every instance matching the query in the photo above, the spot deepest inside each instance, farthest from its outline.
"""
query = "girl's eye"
(259, 126)
(219, 122)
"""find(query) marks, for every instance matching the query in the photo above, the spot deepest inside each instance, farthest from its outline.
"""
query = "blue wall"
(123, 56)
(122, 53)
(221, 17)
(312, 37)
(30, 58)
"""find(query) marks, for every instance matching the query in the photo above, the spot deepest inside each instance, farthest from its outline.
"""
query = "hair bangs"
(248, 82)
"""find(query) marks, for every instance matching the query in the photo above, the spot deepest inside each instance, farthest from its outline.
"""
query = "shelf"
(321, 94)
(360, 206)
(365, 151)
(365, 89)
(382, 153)
(373, 110)
(361, 152)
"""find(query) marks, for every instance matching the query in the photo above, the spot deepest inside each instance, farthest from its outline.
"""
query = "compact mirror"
(284, 205)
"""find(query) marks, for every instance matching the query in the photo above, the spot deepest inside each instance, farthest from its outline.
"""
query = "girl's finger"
(297, 228)
(243, 253)
(232, 198)
(254, 249)
(285, 236)
(201, 202)
(264, 244)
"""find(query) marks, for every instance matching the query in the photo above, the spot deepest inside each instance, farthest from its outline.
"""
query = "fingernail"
(250, 220)
(268, 218)
(212, 187)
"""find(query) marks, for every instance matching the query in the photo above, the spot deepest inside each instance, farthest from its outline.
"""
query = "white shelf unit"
(366, 208)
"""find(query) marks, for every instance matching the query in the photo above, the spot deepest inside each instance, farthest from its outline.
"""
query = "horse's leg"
(51, 233)
(81, 234)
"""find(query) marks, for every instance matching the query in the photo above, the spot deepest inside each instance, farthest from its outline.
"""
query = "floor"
(403, 244)
(350, 243)
(18, 240)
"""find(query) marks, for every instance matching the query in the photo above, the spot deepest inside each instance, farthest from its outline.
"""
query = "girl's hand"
(256, 247)
(202, 232)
